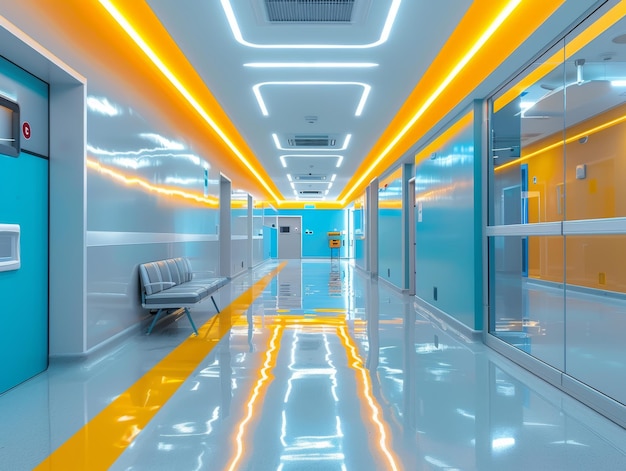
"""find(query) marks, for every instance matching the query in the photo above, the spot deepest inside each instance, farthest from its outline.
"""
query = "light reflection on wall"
(118, 176)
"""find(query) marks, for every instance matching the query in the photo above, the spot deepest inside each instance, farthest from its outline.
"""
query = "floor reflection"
(305, 378)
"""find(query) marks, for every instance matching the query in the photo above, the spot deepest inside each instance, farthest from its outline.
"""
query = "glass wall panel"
(595, 118)
(527, 149)
(561, 296)
(529, 312)
(596, 317)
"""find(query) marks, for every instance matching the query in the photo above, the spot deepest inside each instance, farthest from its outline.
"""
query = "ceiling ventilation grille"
(312, 141)
(310, 193)
(309, 11)
(310, 177)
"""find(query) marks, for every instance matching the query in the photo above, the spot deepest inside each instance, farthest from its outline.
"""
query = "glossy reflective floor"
(310, 366)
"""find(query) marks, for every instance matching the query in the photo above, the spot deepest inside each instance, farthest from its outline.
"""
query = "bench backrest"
(163, 274)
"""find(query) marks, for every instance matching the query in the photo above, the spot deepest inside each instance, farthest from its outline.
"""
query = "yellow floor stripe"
(101, 441)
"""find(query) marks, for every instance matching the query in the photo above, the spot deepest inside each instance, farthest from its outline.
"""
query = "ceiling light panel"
(367, 16)
(313, 97)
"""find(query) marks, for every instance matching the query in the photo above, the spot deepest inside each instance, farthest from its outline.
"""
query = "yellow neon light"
(493, 27)
(357, 365)
(134, 181)
(261, 385)
(559, 143)
(173, 79)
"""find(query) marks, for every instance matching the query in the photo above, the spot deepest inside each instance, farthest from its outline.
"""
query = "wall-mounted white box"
(9, 247)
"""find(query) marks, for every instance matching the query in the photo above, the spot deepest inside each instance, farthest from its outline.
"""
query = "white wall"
(113, 160)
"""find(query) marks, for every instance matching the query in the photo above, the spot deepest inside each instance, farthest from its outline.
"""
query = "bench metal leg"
(214, 304)
(158, 315)
(191, 321)
(154, 321)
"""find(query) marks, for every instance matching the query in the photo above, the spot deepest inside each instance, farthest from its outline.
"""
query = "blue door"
(23, 205)
(24, 292)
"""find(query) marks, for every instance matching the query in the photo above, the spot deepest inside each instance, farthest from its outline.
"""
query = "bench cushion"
(171, 283)
(180, 296)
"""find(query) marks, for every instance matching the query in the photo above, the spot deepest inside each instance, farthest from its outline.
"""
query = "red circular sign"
(26, 130)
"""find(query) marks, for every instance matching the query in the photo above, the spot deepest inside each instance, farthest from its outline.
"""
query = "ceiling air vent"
(310, 177)
(310, 192)
(309, 11)
(312, 141)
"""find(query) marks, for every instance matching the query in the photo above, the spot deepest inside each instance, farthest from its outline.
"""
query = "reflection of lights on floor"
(261, 386)
(319, 447)
(366, 392)
(315, 448)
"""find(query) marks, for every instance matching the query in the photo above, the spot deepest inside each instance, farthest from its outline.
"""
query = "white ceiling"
(311, 101)
(371, 66)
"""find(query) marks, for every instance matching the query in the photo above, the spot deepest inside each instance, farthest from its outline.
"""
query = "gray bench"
(170, 284)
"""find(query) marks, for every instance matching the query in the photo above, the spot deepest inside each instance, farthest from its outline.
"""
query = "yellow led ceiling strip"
(455, 72)
(144, 28)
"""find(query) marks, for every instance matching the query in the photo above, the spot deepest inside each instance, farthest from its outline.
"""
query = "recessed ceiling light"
(384, 35)
(359, 109)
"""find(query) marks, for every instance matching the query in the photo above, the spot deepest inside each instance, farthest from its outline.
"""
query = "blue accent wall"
(270, 242)
(446, 258)
(358, 216)
(320, 222)
(390, 265)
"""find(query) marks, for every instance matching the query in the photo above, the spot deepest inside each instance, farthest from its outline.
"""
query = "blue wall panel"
(445, 245)
(24, 292)
(390, 266)
(320, 222)
(359, 236)
(270, 238)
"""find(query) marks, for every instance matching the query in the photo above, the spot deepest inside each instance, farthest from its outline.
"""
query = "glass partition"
(557, 207)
